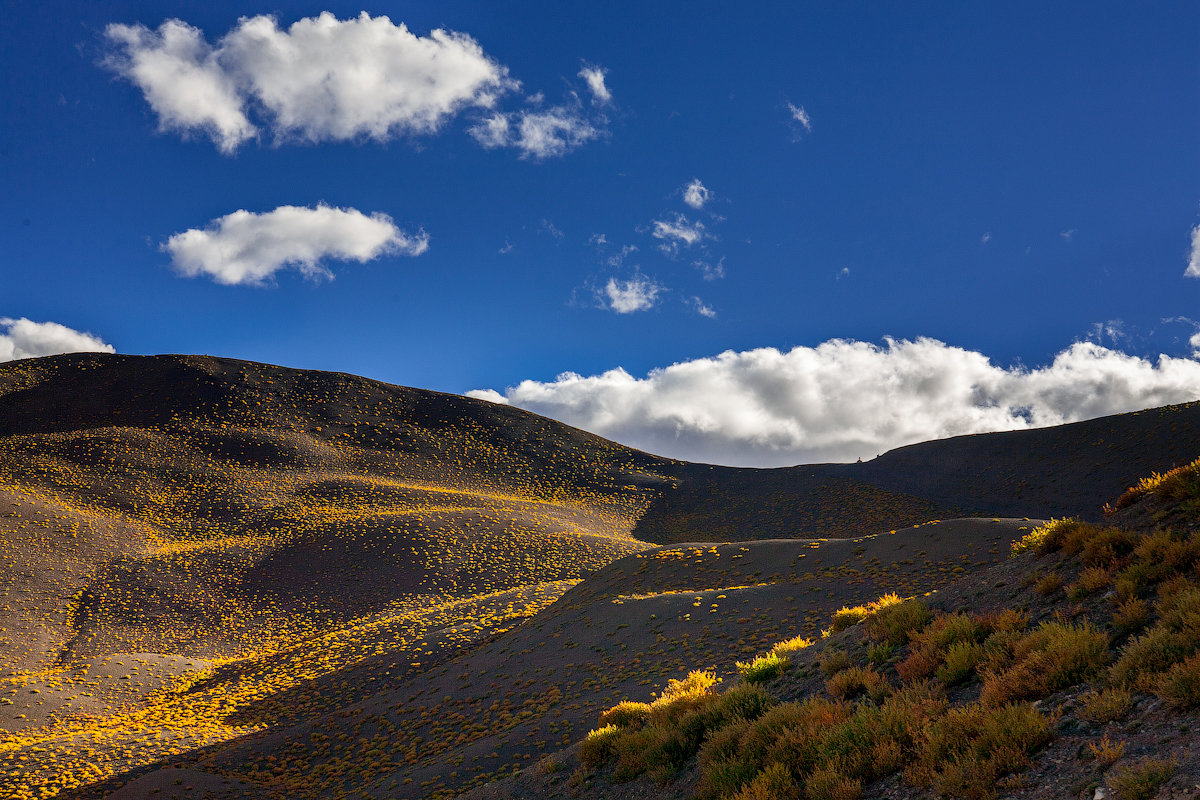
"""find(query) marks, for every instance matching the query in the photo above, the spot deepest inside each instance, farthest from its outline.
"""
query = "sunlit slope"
(190, 545)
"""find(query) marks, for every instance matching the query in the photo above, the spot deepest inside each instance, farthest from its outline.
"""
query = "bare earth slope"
(262, 582)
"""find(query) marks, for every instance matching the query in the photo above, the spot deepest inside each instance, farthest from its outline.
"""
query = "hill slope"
(209, 562)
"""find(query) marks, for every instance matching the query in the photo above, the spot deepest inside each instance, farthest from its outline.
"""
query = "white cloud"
(987, 237)
(248, 248)
(678, 231)
(844, 272)
(624, 297)
(320, 79)
(843, 399)
(800, 116)
(702, 308)
(594, 76)
(23, 338)
(709, 270)
(538, 134)
(696, 194)
(1193, 268)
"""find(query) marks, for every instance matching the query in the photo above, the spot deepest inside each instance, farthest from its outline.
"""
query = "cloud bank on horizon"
(24, 338)
(843, 400)
(326, 80)
(248, 248)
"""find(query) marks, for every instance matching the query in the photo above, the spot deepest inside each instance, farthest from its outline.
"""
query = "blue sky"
(1006, 181)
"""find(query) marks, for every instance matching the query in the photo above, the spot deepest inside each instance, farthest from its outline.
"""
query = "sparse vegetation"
(1141, 780)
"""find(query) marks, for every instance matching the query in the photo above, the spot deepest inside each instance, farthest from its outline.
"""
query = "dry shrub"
(1091, 580)
(831, 783)
(1048, 584)
(1047, 538)
(597, 747)
(1173, 639)
(833, 662)
(1142, 779)
(1051, 657)
(1180, 685)
(960, 662)
(1106, 751)
(773, 783)
(853, 681)
(763, 667)
(1105, 705)
(1131, 615)
(966, 751)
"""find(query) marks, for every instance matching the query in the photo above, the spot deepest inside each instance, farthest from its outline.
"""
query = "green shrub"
(847, 616)
(960, 662)
(1141, 780)
(1048, 584)
(1181, 483)
(1046, 538)
(831, 783)
(626, 714)
(763, 668)
(896, 623)
(1102, 548)
(789, 647)
(881, 653)
(597, 747)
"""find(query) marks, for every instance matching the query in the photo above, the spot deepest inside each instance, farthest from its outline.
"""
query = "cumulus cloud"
(801, 117)
(594, 77)
(639, 293)
(248, 248)
(24, 338)
(678, 232)
(695, 194)
(1193, 268)
(321, 79)
(842, 399)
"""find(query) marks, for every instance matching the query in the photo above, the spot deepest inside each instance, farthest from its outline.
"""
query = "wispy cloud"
(800, 117)
(539, 133)
(639, 293)
(711, 270)
(842, 399)
(321, 79)
(702, 308)
(249, 248)
(678, 231)
(1193, 267)
(24, 338)
(594, 77)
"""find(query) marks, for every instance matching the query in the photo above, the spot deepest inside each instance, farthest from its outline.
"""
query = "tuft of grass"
(1051, 657)
(1142, 779)
(896, 623)
(1107, 752)
(1105, 705)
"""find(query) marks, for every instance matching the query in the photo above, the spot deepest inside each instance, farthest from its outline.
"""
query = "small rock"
(1101, 793)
